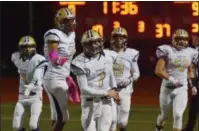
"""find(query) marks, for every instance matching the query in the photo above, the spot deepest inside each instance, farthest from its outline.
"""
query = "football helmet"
(65, 20)
(27, 46)
(92, 43)
(119, 37)
(180, 39)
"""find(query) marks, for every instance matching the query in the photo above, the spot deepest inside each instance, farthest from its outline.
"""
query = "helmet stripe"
(91, 32)
(70, 12)
(67, 12)
(26, 39)
(87, 33)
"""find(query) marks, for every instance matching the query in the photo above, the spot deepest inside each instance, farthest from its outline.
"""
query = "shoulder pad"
(52, 35)
(111, 53)
(77, 66)
(15, 58)
(194, 55)
(162, 51)
(40, 61)
(133, 53)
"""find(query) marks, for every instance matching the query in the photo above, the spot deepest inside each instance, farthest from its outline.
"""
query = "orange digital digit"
(141, 26)
(124, 8)
(133, 8)
(194, 28)
(105, 7)
(158, 31)
(167, 27)
(194, 7)
(115, 7)
(99, 28)
(72, 5)
(116, 24)
(161, 28)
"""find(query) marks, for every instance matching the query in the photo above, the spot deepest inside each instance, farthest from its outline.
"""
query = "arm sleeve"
(195, 57)
(134, 68)
(37, 77)
(39, 73)
(136, 71)
(83, 84)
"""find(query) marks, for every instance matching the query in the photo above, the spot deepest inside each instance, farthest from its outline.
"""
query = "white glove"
(123, 82)
(135, 77)
(28, 89)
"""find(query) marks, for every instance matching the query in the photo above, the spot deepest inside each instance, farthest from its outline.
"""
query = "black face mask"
(69, 25)
(27, 53)
(93, 48)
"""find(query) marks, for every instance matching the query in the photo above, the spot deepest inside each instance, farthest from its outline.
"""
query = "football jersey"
(26, 70)
(123, 65)
(113, 55)
(98, 71)
(66, 48)
(177, 61)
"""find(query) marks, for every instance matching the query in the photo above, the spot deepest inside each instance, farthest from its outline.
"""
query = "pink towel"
(73, 90)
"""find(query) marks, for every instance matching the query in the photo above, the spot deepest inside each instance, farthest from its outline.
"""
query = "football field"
(142, 118)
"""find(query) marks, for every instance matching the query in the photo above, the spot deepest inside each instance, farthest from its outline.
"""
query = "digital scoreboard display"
(141, 19)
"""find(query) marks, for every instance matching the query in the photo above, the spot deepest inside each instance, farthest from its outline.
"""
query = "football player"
(59, 48)
(194, 102)
(126, 71)
(174, 67)
(94, 72)
(30, 67)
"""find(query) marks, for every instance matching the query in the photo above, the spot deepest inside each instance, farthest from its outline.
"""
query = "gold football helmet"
(65, 20)
(119, 37)
(92, 43)
(27, 46)
(180, 39)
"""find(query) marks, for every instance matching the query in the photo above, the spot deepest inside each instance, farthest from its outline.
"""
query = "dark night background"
(15, 24)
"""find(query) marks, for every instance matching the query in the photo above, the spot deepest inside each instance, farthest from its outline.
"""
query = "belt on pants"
(31, 93)
(95, 99)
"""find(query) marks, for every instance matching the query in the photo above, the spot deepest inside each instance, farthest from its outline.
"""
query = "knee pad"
(177, 116)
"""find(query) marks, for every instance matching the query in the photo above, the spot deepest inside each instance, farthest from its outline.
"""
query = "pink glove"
(73, 90)
(61, 60)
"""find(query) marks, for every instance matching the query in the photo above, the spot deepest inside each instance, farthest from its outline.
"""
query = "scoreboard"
(149, 19)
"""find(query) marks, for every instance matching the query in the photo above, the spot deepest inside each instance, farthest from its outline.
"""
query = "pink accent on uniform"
(53, 55)
(73, 90)
(61, 60)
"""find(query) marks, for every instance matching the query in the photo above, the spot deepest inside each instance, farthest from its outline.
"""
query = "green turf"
(142, 118)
